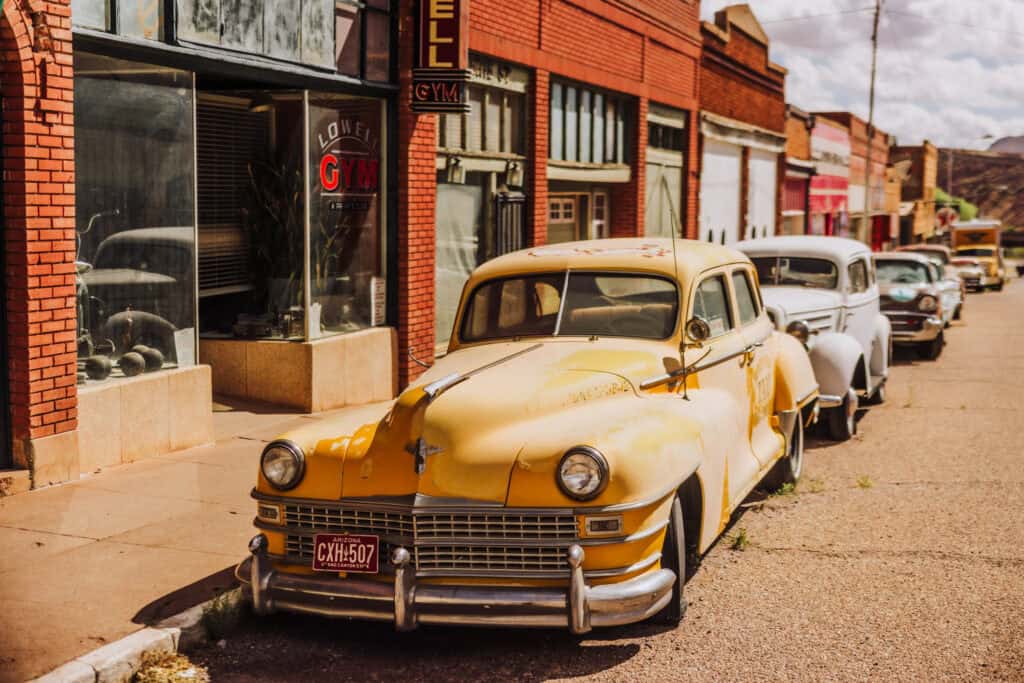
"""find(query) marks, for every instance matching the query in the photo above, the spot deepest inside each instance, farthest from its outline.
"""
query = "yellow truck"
(980, 239)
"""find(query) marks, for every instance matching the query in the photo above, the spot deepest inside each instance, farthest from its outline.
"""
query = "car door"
(861, 304)
(759, 363)
(723, 373)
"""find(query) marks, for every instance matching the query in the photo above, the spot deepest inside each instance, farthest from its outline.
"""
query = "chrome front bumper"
(991, 280)
(409, 604)
(930, 329)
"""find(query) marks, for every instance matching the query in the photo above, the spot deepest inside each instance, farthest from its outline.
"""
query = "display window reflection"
(135, 217)
(346, 174)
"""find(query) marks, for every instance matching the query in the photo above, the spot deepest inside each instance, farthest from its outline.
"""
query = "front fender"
(834, 358)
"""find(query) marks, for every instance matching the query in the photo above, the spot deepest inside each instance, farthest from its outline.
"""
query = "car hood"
(470, 435)
(794, 301)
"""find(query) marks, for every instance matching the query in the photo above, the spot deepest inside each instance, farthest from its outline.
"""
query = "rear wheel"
(933, 349)
(788, 468)
(673, 556)
(842, 421)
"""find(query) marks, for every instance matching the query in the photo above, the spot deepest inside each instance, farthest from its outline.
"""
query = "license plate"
(346, 553)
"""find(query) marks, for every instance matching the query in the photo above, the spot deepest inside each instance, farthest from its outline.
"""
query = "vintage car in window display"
(822, 290)
(914, 301)
(603, 408)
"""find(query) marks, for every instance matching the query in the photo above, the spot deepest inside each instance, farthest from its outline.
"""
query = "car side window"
(858, 272)
(711, 302)
(746, 303)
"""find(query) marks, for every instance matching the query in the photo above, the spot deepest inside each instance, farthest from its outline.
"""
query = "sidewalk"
(89, 562)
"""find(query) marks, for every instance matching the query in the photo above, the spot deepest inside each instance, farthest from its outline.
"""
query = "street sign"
(442, 69)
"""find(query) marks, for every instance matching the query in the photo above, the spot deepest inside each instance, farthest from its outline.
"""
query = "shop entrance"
(578, 215)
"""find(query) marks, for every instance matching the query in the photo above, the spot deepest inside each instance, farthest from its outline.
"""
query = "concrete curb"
(119, 661)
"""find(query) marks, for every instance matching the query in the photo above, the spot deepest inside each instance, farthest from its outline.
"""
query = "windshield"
(582, 304)
(902, 272)
(976, 252)
(801, 272)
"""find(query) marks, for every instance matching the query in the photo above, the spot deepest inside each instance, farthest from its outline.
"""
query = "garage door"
(719, 192)
(761, 193)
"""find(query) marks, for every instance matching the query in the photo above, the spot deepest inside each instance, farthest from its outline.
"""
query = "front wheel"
(877, 398)
(958, 314)
(933, 349)
(673, 556)
(787, 469)
(842, 421)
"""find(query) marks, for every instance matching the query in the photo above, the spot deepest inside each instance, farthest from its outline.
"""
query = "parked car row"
(603, 410)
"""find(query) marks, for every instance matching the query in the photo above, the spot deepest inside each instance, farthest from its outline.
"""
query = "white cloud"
(951, 71)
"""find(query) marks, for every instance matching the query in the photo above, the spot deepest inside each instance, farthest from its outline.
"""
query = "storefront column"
(537, 130)
(628, 199)
(39, 236)
(417, 192)
(691, 168)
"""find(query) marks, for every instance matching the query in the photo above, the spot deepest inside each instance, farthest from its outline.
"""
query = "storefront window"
(135, 217)
(346, 169)
(587, 126)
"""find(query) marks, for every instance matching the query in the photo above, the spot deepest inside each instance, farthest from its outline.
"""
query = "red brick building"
(201, 203)
(796, 191)
(743, 129)
(878, 226)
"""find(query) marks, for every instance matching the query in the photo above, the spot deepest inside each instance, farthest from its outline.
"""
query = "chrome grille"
(496, 525)
(528, 543)
(333, 519)
(490, 559)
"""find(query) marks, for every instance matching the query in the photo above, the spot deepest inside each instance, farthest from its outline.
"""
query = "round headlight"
(283, 465)
(582, 473)
(799, 329)
(927, 303)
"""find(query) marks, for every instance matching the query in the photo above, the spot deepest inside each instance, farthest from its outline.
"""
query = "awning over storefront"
(738, 133)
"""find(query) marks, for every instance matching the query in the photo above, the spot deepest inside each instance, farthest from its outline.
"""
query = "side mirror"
(697, 329)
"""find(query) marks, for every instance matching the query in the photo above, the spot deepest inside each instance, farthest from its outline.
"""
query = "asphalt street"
(900, 556)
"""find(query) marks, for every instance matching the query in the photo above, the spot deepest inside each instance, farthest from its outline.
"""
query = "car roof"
(685, 259)
(838, 248)
(903, 256)
(926, 247)
(178, 236)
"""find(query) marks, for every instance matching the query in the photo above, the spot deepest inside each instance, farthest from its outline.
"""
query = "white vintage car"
(823, 291)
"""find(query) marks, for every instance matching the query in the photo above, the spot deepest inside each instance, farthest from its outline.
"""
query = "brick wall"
(417, 190)
(736, 82)
(648, 49)
(798, 138)
(39, 218)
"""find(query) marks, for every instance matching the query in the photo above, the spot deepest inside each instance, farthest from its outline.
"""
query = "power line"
(807, 17)
(944, 22)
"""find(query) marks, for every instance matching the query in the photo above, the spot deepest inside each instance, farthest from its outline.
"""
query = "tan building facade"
(917, 217)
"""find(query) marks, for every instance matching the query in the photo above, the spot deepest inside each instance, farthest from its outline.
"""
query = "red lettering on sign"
(329, 172)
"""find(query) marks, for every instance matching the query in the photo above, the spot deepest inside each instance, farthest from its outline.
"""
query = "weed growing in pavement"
(812, 485)
(223, 614)
(169, 667)
(864, 482)
(786, 489)
(740, 541)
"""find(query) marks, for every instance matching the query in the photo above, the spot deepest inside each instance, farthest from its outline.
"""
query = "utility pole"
(864, 235)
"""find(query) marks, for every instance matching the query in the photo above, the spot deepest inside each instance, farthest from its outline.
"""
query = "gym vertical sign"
(442, 70)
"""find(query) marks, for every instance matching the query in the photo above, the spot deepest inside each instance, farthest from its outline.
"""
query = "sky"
(949, 71)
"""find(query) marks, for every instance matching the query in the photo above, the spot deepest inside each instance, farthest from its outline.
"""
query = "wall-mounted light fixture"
(455, 172)
(513, 174)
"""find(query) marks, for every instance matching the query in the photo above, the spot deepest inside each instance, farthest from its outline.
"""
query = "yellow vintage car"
(603, 408)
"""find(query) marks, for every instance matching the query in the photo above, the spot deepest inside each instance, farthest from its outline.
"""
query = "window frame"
(729, 301)
(755, 296)
(859, 261)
